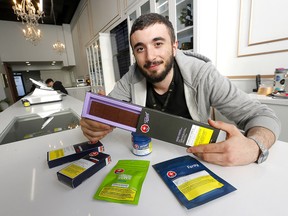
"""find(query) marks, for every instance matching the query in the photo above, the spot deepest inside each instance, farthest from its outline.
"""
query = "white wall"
(91, 18)
(57, 75)
(14, 47)
(227, 60)
(205, 28)
(216, 33)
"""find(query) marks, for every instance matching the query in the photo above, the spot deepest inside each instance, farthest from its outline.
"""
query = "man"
(57, 85)
(188, 85)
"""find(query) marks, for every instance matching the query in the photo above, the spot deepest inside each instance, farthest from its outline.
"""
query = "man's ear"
(174, 47)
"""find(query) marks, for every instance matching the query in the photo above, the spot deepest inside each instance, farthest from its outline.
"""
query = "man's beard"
(157, 77)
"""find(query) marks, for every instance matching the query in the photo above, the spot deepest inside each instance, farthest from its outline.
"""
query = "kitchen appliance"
(258, 82)
(42, 94)
(80, 82)
(280, 79)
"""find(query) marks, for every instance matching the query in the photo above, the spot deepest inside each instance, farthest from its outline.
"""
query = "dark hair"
(49, 80)
(150, 19)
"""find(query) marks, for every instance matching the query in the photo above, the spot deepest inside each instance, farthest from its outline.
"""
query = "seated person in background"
(186, 84)
(57, 85)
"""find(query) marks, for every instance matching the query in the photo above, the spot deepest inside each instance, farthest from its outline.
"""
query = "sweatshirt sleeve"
(122, 88)
(238, 106)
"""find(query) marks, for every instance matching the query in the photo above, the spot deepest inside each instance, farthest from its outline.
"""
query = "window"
(120, 49)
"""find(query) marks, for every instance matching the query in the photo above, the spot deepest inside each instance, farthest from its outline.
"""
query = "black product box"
(149, 122)
(80, 170)
(177, 130)
(72, 153)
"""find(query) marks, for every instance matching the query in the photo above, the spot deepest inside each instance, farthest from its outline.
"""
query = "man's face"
(50, 84)
(154, 51)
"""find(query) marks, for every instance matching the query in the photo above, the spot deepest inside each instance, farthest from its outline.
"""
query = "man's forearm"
(262, 134)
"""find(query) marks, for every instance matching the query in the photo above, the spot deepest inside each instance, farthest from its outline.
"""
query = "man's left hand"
(235, 150)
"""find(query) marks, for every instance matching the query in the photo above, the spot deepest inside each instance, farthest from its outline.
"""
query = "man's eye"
(139, 49)
(158, 44)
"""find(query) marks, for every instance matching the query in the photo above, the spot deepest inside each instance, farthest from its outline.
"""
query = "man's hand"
(235, 150)
(93, 130)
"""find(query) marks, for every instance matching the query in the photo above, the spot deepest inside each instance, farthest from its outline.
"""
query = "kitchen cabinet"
(104, 13)
(179, 12)
(81, 34)
(128, 4)
(143, 7)
(100, 64)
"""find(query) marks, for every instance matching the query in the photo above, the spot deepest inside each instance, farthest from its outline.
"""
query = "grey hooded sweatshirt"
(204, 87)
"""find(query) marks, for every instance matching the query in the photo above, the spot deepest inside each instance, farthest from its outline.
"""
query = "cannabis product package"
(123, 183)
(72, 153)
(149, 122)
(80, 170)
(191, 182)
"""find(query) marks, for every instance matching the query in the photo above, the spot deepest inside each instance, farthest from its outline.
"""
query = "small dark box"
(72, 153)
(80, 170)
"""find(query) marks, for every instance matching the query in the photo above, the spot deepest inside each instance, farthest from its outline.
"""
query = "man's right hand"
(93, 130)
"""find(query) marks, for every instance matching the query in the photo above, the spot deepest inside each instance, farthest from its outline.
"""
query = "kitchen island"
(29, 187)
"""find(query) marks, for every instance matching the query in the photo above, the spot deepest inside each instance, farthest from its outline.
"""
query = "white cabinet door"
(179, 12)
(104, 12)
(181, 15)
(184, 24)
(100, 64)
(143, 7)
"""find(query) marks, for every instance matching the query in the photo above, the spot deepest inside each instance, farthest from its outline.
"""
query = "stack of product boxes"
(87, 159)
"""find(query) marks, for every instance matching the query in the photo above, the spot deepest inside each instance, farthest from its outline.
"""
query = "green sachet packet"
(123, 183)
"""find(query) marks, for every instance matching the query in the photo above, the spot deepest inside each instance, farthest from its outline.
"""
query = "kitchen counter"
(78, 92)
(17, 109)
(29, 187)
(280, 107)
(269, 100)
(78, 87)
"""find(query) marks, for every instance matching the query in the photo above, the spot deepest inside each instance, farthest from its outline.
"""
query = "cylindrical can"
(141, 145)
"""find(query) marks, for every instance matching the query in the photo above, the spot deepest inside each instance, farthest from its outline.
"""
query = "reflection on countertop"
(18, 111)
(26, 127)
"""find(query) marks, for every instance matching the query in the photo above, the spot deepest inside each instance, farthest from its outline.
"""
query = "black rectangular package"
(72, 153)
(78, 171)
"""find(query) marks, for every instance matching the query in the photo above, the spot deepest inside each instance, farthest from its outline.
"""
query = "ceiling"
(63, 9)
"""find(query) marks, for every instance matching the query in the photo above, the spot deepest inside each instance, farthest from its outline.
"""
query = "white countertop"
(29, 187)
(269, 100)
(78, 87)
(17, 109)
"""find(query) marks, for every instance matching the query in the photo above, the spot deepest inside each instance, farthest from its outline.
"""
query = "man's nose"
(150, 53)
